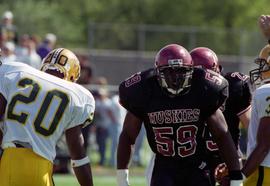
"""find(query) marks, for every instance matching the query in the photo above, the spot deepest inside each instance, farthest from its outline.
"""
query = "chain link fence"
(143, 37)
(116, 51)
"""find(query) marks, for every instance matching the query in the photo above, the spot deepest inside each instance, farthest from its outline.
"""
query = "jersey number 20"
(41, 113)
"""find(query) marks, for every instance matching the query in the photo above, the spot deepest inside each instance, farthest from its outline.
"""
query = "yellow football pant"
(23, 167)
(260, 177)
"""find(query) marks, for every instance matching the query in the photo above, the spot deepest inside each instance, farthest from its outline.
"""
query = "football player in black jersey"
(237, 107)
(174, 100)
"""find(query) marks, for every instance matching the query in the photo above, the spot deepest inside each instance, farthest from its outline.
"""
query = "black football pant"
(178, 173)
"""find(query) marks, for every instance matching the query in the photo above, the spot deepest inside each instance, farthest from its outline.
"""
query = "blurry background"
(96, 28)
(116, 38)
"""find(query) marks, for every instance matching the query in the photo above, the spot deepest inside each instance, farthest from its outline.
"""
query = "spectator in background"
(103, 121)
(85, 79)
(26, 52)
(103, 118)
(136, 157)
(47, 45)
(3, 39)
(86, 74)
(21, 48)
(8, 28)
(115, 128)
(8, 53)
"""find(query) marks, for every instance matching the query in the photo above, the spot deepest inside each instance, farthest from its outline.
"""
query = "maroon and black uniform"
(237, 103)
(175, 125)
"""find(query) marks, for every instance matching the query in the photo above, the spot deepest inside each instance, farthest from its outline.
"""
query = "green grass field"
(70, 180)
(106, 176)
(103, 176)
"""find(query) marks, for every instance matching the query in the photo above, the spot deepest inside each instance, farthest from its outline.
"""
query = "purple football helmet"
(174, 68)
(205, 58)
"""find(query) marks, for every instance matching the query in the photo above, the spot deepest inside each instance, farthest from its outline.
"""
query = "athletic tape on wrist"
(236, 183)
(78, 163)
(122, 177)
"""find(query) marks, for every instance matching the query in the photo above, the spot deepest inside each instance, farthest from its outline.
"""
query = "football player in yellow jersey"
(37, 108)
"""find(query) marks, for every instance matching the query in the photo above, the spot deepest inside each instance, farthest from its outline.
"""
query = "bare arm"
(262, 148)
(76, 148)
(245, 118)
(219, 129)
(131, 128)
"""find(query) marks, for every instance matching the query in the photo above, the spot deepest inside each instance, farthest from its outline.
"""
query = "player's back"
(40, 107)
(237, 103)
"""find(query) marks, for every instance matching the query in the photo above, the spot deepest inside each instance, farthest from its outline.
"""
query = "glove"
(264, 24)
(122, 177)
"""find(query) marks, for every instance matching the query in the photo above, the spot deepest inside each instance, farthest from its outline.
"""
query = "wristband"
(236, 183)
(235, 175)
(244, 176)
(122, 177)
(78, 163)
(268, 41)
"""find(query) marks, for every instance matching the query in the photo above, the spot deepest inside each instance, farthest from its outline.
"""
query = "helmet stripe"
(56, 55)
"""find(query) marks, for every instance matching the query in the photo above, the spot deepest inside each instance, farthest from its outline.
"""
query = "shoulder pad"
(213, 86)
(236, 77)
(211, 79)
(238, 82)
(135, 90)
(239, 88)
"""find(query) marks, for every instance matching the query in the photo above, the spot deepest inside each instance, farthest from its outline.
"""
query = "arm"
(262, 148)
(131, 128)
(219, 129)
(76, 148)
(245, 118)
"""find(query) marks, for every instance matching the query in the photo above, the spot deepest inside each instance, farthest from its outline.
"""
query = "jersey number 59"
(185, 140)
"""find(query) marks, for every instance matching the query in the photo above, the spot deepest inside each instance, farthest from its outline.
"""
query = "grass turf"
(103, 176)
(70, 180)
(106, 176)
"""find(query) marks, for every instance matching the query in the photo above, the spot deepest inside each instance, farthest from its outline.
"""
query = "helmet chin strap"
(170, 90)
(174, 92)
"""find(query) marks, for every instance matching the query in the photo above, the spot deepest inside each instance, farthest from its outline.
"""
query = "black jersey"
(237, 103)
(174, 125)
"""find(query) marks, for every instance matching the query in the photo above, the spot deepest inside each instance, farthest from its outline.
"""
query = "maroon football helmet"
(174, 69)
(205, 58)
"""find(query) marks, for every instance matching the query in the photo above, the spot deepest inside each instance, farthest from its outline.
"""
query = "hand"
(221, 171)
(264, 24)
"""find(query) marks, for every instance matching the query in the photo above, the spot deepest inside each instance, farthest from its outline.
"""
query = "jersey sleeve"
(261, 103)
(240, 93)
(217, 92)
(220, 98)
(132, 96)
(83, 112)
(3, 86)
